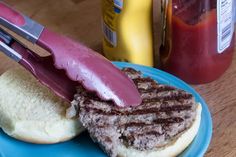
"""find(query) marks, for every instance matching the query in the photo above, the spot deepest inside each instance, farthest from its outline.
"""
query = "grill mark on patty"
(170, 120)
(139, 111)
(177, 97)
(164, 104)
(151, 133)
(131, 137)
(156, 89)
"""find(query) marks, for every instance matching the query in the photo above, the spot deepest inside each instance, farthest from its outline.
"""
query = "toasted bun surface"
(31, 112)
(172, 150)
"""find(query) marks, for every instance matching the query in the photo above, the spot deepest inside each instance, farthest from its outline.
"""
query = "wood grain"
(220, 96)
(81, 20)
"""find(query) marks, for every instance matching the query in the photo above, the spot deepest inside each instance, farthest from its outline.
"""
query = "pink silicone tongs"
(70, 62)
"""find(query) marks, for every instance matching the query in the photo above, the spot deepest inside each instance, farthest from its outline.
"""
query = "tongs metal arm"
(5, 41)
(20, 24)
(17, 51)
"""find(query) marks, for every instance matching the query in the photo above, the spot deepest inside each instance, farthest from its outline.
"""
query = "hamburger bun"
(31, 112)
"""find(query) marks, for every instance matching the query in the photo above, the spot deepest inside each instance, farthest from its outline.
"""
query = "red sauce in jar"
(193, 54)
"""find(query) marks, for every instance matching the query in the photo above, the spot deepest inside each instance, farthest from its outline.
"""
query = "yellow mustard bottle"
(127, 31)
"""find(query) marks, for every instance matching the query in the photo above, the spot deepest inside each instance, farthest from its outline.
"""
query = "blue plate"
(83, 146)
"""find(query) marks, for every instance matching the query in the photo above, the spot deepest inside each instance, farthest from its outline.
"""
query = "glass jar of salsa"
(199, 39)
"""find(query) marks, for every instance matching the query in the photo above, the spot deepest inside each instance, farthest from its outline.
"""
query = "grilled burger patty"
(165, 113)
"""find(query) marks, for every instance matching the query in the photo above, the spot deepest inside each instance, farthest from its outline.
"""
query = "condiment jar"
(199, 39)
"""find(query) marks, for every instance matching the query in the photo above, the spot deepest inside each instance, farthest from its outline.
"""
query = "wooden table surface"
(81, 20)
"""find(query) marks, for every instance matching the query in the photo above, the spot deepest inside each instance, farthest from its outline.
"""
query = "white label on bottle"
(225, 24)
(118, 3)
(109, 34)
